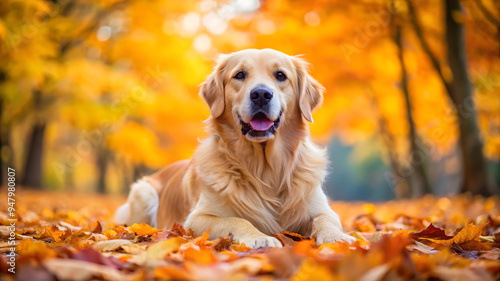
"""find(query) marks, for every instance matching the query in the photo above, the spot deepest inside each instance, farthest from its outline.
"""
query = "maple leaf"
(143, 229)
(178, 229)
(431, 232)
(222, 244)
(468, 233)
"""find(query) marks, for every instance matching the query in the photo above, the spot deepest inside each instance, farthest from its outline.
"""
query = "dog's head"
(257, 90)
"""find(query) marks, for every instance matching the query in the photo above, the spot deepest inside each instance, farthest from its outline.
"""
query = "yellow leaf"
(159, 250)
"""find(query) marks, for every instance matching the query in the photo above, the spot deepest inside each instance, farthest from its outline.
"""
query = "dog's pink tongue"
(261, 124)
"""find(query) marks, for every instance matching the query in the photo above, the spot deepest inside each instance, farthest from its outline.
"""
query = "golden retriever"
(258, 172)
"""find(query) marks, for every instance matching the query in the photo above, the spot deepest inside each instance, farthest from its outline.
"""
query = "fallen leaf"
(36, 250)
(97, 228)
(422, 248)
(171, 273)
(78, 270)
(161, 249)
(431, 232)
(110, 245)
(377, 273)
(91, 255)
(201, 256)
(143, 229)
(468, 233)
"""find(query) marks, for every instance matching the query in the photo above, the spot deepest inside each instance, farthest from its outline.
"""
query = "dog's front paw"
(334, 236)
(261, 241)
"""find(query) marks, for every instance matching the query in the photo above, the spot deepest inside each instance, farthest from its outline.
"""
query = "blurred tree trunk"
(396, 177)
(102, 157)
(6, 152)
(476, 178)
(32, 172)
(418, 178)
(33, 166)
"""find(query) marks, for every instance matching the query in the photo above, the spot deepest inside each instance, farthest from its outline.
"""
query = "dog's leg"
(242, 230)
(142, 205)
(326, 226)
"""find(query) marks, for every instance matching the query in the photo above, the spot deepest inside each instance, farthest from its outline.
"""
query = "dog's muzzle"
(260, 125)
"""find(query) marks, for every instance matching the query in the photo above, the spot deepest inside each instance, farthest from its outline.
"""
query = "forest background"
(96, 93)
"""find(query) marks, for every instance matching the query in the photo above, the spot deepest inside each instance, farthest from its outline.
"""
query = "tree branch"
(427, 49)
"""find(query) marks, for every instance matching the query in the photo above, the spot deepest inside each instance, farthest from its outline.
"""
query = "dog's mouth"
(260, 125)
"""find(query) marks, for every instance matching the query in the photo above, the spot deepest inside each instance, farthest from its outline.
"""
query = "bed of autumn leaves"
(63, 236)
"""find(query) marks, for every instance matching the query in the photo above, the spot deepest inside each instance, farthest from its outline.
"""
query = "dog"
(258, 172)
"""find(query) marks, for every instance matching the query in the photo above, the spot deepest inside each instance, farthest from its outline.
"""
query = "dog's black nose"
(261, 95)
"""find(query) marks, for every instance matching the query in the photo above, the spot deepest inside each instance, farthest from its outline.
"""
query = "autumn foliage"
(107, 89)
(72, 237)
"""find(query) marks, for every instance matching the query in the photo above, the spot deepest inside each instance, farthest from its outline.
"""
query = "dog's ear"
(212, 90)
(310, 91)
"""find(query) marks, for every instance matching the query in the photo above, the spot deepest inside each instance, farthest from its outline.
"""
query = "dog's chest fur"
(273, 193)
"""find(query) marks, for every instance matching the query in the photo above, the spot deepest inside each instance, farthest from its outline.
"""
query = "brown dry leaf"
(178, 229)
(176, 254)
(97, 228)
(294, 236)
(468, 233)
(493, 254)
(474, 245)
(285, 240)
(221, 244)
(431, 232)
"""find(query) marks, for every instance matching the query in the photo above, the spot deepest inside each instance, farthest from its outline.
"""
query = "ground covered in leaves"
(62, 236)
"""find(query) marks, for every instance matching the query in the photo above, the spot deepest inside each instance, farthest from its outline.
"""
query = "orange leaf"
(34, 249)
(111, 234)
(171, 273)
(203, 256)
(303, 247)
(468, 233)
(143, 229)
(200, 241)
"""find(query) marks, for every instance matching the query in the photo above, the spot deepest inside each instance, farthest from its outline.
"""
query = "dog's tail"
(142, 205)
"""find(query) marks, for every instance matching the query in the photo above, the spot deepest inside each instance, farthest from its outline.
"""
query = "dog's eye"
(280, 76)
(240, 75)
